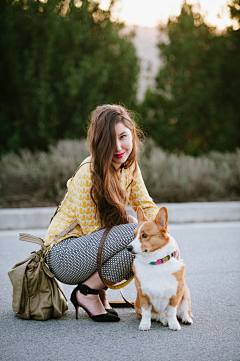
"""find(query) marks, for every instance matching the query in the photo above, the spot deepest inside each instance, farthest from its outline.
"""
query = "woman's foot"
(103, 298)
(91, 302)
(88, 299)
(106, 305)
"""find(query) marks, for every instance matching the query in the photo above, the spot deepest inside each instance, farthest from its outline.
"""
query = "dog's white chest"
(158, 282)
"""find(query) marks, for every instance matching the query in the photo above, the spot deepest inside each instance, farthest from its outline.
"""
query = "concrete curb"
(39, 218)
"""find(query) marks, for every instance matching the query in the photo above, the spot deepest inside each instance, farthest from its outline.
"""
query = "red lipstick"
(119, 155)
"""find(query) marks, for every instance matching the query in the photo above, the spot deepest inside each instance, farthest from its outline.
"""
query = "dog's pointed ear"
(162, 218)
(140, 215)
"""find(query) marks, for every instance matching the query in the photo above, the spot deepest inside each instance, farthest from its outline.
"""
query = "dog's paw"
(174, 325)
(187, 320)
(164, 319)
(145, 326)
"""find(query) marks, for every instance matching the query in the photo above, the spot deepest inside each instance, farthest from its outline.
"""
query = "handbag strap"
(30, 238)
(26, 237)
(99, 262)
(66, 230)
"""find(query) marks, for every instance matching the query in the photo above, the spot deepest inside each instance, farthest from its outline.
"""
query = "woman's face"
(124, 145)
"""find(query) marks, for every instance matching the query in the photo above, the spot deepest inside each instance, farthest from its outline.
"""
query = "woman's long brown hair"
(106, 192)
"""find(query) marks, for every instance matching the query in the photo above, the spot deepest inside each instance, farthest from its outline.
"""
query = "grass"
(39, 179)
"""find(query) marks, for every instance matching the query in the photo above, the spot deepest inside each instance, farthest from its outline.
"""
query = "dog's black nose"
(130, 248)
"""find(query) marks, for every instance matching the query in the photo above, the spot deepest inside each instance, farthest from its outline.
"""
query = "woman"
(97, 197)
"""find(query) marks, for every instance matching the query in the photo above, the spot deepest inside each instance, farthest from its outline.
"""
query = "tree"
(231, 77)
(194, 106)
(59, 60)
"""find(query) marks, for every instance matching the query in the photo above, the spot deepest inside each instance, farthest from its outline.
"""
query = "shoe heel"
(74, 301)
(76, 308)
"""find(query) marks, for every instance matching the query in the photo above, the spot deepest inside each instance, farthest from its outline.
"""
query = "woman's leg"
(74, 261)
(92, 302)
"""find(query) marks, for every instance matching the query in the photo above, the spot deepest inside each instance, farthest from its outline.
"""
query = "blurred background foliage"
(39, 178)
(195, 105)
(60, 59)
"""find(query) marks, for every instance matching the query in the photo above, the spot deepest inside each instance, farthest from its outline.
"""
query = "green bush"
(39, 179)
(194, 106)
(184, 178)
(59, 60)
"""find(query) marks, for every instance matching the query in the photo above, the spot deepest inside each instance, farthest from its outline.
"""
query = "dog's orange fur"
(145, 300)
(159, 236)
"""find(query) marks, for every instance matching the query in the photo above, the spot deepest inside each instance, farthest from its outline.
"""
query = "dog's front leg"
(172, 318)
(145, 323)
(174, 301)
(143, 306)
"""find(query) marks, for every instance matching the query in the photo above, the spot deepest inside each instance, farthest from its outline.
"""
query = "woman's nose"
(118, 145)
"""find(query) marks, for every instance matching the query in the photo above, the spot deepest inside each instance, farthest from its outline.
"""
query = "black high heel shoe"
(85, 290)
(110, 310)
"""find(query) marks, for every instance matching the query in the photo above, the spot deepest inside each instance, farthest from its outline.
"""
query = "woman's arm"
(82, 203)
(139, 197)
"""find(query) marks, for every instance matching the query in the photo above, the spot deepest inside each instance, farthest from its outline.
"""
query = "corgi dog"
(162, 293)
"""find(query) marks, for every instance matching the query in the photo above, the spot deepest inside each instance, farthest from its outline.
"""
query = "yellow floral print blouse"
(79, 205)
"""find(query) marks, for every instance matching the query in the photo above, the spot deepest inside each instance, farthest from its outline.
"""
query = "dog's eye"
(144, 235)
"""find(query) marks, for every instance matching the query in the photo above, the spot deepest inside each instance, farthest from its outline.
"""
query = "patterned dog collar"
(163, 260)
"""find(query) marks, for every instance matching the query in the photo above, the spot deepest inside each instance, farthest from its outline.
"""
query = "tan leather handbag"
(37, 294)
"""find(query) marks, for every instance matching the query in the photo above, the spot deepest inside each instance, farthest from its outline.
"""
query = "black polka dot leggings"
(74, 259)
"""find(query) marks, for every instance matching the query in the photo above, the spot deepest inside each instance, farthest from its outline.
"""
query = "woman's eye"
(144, 235)
(123, 136)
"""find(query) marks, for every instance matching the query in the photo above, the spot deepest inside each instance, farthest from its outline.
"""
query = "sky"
(151, 12)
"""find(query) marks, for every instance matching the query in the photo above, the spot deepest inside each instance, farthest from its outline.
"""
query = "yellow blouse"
(78, 204)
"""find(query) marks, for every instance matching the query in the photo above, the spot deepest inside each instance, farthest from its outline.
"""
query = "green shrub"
(39, 179)
(184, 178)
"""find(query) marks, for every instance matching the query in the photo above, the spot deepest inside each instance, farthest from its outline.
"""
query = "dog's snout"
(130, 248)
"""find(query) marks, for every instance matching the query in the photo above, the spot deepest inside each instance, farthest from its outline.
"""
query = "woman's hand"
(131, 219)
(177, 252)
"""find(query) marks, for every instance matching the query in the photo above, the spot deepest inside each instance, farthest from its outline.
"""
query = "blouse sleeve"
(139, 197)
(82, 203)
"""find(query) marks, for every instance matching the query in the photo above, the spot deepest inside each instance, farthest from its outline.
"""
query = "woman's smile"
(119, 155)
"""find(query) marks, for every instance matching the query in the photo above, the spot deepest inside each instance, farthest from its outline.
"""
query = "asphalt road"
(212, 255)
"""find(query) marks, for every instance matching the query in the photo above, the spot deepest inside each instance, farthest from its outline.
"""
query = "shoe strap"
(85, 290)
